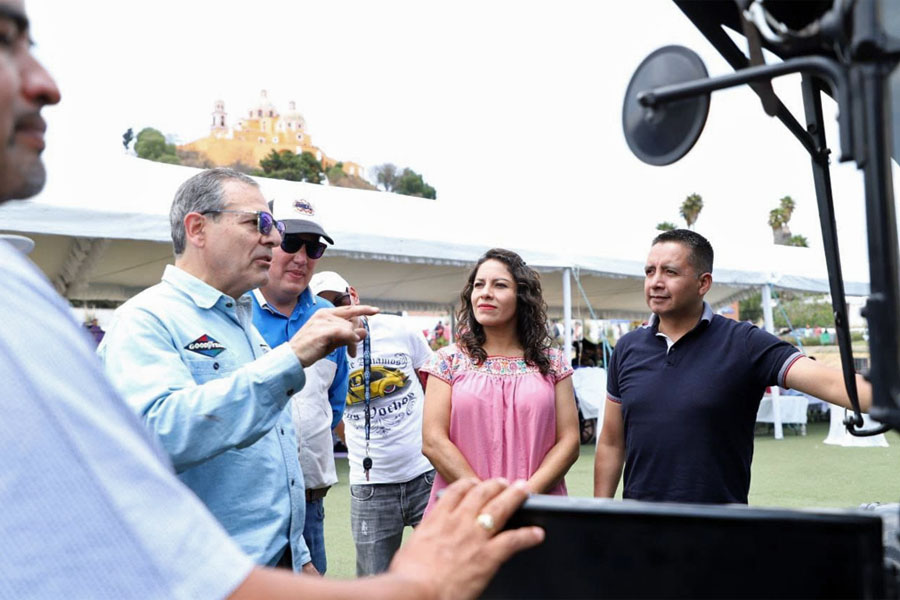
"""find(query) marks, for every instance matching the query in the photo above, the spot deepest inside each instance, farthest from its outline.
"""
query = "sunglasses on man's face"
(264, 221)
(342, 300)
(292, 242)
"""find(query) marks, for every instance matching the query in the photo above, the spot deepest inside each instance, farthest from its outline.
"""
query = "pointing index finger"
(360, 310)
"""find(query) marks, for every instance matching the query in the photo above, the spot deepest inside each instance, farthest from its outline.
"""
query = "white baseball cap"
(328, 281)
(298, 216)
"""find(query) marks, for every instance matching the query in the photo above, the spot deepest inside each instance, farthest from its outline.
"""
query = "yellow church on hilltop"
(263, 129)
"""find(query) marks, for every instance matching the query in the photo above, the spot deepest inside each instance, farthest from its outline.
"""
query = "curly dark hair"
(531, 312)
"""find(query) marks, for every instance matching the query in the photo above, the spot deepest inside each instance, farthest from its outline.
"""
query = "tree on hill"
(193, 158)
(389, 178)
(339, 178)
(127, 138)
(151, 144)
(335, 173)
(386, 176)
(244, 168)
(690, 209)
(666, 226)
(311, 168)
(411, 183)
(290, 166)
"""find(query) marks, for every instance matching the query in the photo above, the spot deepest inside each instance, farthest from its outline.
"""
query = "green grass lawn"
(801, 471)
(798, 471)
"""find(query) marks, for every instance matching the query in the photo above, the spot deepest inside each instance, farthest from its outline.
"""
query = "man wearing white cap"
(390, 479)
(280, 308)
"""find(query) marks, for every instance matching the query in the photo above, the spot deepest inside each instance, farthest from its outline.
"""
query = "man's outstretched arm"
(826, 383)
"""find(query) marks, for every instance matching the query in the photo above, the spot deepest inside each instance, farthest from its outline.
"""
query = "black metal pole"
(883, 307)
(812, 107)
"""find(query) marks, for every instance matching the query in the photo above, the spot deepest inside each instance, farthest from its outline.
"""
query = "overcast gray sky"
(512, 110)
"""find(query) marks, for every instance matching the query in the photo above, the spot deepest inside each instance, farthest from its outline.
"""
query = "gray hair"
(201, 193)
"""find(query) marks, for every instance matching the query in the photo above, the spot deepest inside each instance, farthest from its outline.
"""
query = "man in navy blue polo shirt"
(684, 390)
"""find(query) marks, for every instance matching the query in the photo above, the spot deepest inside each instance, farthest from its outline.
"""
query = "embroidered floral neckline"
(504, 365)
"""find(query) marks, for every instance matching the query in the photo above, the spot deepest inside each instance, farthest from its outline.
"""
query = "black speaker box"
(627, 549)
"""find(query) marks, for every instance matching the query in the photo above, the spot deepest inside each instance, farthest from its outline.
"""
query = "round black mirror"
(664, 133)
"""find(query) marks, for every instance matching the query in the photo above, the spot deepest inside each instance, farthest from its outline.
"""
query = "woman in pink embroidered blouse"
(500, 402)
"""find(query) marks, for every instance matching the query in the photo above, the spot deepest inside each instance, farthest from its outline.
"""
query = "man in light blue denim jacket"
(186, 357)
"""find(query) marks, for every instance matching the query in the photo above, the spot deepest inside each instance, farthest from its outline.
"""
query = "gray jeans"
(378, 514)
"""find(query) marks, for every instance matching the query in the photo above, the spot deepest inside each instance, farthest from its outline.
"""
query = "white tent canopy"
(108, 238)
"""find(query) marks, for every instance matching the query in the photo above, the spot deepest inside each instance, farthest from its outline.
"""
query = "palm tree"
(787, 207)
(778, 221)
(798, 240)
(666, 226)
(690, 209)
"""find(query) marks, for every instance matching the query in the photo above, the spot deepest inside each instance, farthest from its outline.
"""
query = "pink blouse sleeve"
(440, 365)
(560, 368)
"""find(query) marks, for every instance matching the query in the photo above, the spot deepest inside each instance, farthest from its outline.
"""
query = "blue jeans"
(378, 514)
(314, 533)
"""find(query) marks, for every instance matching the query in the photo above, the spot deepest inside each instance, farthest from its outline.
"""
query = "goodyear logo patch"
(206, 346)
(304, 207)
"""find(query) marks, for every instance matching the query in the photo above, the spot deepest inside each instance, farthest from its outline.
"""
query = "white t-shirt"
(397, 399)
(311, 413)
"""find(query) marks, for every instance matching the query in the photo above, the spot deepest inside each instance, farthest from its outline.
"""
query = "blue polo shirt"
(277, 329)
(689, 409)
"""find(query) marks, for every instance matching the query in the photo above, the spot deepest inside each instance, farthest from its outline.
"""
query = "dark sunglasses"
(292, 243)
(264, 221)
(342, 300)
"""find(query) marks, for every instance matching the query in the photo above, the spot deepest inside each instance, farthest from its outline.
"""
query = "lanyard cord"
(367, 379)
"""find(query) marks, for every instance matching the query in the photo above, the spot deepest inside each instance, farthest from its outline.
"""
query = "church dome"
(293, 119)
(264, 107)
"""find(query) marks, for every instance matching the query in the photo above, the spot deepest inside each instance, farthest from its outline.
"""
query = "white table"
(792, 409)
(590, 389)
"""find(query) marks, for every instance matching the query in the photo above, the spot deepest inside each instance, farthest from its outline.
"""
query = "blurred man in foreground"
(91, 507)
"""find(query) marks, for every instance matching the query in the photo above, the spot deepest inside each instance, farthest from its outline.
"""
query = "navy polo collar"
(706, 316)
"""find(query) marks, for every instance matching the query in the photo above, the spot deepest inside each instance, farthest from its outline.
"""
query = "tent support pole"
(770, 327)
(452, 324)
(567, 312)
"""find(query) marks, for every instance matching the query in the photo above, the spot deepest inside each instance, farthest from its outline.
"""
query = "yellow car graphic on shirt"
(383, 381)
